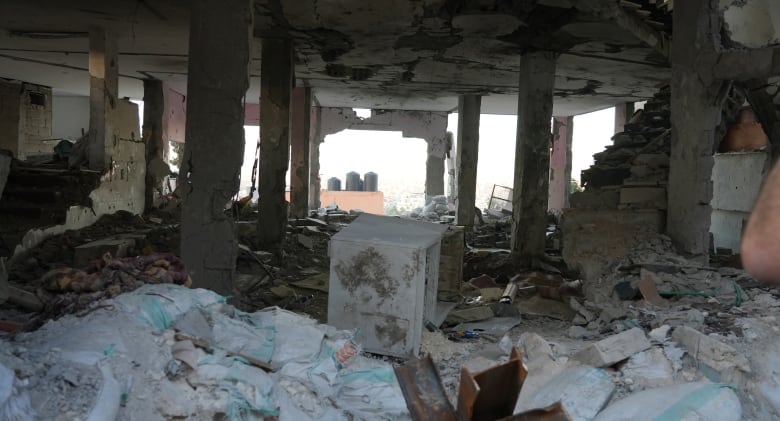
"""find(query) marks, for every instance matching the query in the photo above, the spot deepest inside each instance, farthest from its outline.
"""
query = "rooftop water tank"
(370, 182)
(353, 182)
(334, 184)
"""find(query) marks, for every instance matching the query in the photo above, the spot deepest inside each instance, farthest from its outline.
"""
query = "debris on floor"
(650, 325)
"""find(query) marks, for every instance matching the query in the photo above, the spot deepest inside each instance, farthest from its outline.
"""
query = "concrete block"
(118, 247)
(451, 260)
(649, 368)
(718, 361)
(727, 227)
(737, 179)
(616, 348)
(473, 314)
(600, 199)
(5, 169)
(643, 197)
(587, 248)
(653, 160)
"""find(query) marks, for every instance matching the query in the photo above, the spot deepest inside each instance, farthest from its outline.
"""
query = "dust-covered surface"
(706, 323)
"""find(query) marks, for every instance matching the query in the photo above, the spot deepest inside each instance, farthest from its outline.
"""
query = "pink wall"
(371, 202)
(559, 161)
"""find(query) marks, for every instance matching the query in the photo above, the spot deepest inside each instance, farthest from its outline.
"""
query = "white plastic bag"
(297, 337)
(14, 399)
(159, 305)
(582, 390)
(320, 373)
(694, 401)
(248, 334)
(369, 390)
(250, 389)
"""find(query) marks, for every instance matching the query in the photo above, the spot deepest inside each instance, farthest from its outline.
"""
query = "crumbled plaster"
(753, 24)
(437, 49)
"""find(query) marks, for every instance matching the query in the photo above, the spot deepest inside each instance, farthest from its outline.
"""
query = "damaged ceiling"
(411, 54)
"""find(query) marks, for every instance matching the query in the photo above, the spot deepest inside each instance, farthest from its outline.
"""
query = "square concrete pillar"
(434, 177)
(469, 108)
(532, 156)
(696, 112)
(276, 80)
(299, 152)
(152, 133)
(214, 146)
(623, 113)
(103, 94)
(560, 164)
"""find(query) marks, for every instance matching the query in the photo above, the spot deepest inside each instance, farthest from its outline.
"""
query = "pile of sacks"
(165, 351)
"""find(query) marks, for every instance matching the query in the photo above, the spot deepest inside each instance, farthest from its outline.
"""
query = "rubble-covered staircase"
(38, 196)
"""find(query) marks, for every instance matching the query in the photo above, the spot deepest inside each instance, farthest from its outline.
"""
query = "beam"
(611, 11)
(743, 65)
(214, 146)
(468, 151)
(299, 152)
(276, 80)
(532, 155)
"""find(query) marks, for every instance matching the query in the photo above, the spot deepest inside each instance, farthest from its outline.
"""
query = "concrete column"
(623, 113)
(696, 111)
(299, 152)
(276, 80)
(560, 164)
(103, 93)
(469, 107)
(532, 156)
(214, 146)
(315, 140)
(152, 133)
(434, 177)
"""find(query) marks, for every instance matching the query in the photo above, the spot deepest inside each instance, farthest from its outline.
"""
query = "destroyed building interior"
(141, 279)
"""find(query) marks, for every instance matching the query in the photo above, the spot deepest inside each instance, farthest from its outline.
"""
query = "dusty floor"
(723, 303)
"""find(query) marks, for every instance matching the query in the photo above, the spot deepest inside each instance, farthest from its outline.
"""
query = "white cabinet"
(383, 281)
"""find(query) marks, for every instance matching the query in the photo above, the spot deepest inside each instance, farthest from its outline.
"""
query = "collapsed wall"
(625, 193)
(120, 188)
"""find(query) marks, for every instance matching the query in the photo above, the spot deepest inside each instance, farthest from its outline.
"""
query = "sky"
(390, 155)
(402, 160)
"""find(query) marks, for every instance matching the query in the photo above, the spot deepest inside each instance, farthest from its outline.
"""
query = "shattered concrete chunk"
(659, 334)
(649, 368)
(579, 308)
(305, 241)
(534, 347)
(614, 349)
(473, 314)
(718, 361)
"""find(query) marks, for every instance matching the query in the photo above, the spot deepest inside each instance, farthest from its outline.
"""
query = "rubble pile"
(632, 173)
(169, 352)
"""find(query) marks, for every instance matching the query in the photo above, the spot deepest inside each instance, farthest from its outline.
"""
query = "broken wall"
(736, 179)
(121, 187)
(752, 24)
(25, 118)
(427, 125)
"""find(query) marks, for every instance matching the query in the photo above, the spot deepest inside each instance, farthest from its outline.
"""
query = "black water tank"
(334, 184)
(371, 182)
(353, 182)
